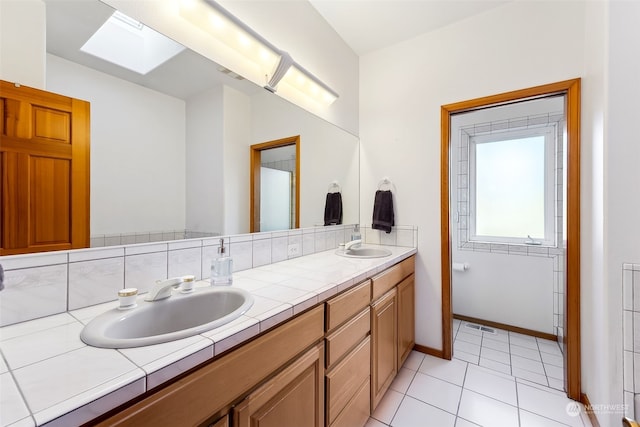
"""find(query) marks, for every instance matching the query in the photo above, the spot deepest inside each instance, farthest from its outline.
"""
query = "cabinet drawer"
(391, 277)
(357, 411)
(346, 305)
(347, 336)
(345, 379)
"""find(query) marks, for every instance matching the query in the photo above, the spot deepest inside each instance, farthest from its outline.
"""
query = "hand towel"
(333, 209)
(383, 211)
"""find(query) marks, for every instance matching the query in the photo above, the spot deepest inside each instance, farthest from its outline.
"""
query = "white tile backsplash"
(631, 335)
(261, 252)
(183, 262)
(94, 282)
(308, 243)
(33, 292)
(39, 285)
(94, 254)
(141, 271)
(14, 262)
(242, 254)
(279, 246)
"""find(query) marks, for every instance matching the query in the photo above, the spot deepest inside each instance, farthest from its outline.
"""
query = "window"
(512, 186)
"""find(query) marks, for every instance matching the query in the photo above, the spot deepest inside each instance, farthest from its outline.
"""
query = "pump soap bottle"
(222, 267)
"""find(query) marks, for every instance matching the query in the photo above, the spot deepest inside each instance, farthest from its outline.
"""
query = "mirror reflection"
(170, 153)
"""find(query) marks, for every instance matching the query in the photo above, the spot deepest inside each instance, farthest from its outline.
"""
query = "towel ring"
(385, 182)
(334, 187)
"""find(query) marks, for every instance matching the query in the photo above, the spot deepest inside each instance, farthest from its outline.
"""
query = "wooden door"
(406, 318)
(293, 398)
(384, 347)
(44, 168)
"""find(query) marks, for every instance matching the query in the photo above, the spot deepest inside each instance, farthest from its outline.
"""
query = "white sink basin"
(180, 316)
(364, 252)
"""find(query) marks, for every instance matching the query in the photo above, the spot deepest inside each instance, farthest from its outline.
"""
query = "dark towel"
(333, 209)
(383, 211)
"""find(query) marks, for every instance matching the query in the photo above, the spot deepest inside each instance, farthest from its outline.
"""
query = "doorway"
(570, 91)
(275, 185)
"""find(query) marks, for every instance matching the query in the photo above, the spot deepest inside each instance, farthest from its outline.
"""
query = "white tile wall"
(39, 285)
(95, 281)
(631, 335)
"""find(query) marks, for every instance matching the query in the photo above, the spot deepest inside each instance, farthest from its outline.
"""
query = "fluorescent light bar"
(309, 84)
(213, 19)
(275, 65)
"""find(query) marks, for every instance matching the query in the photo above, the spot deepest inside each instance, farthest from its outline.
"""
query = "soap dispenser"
(222, 267)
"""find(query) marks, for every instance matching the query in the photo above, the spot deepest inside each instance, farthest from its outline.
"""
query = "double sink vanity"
(321, 343)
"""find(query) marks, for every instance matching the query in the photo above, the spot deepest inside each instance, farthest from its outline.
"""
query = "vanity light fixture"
(276, 65)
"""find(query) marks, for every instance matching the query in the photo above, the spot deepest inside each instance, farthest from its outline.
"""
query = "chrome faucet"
(162, 289)
(354, 244)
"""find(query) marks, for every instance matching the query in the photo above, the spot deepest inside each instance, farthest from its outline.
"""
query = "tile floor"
(475, 389)
(523, 356)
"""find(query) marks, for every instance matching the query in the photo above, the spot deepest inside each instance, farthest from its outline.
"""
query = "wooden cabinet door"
(222, 422)
(293, 398)
(384, 348)
(406, 318)
(44, 169)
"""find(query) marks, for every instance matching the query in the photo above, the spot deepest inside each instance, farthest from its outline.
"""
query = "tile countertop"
(49, 376)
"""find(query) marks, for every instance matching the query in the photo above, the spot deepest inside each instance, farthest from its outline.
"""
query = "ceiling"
(368, 25)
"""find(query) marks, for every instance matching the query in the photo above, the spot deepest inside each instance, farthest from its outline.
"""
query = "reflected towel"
(383, 211)
(333, 209)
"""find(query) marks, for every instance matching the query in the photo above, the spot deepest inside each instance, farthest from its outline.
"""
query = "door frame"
(571, 90)
(254, 191)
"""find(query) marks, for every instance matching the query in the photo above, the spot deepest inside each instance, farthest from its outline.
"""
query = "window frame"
(549, 132)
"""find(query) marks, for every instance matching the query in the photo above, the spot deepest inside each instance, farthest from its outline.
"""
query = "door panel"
(44, 144)
(49, 207)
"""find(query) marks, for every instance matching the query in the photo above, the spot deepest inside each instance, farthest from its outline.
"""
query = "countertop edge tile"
(96, 407)
(23, 422)
(275, 316)
(119, 384)
(164, 374)
(237, 338)
(11, 395)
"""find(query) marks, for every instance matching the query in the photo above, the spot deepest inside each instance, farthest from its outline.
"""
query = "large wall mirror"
(170, 149)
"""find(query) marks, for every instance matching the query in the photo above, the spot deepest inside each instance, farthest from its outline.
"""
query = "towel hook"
(334, 186)
(385, 181)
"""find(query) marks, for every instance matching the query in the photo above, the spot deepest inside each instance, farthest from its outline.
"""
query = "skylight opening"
(130, 44)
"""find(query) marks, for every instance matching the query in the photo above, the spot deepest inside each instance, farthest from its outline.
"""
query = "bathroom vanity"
(328, 366)
(321, 343)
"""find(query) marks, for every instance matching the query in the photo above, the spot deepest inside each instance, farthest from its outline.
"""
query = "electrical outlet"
(293, 250)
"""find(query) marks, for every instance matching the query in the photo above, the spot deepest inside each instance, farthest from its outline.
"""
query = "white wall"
(237, 122)
(293, 26)
(204, 156)
(521, 286)
(599, 381)
(137, 150)
(621, 177)
(518, 45)
(22, 42)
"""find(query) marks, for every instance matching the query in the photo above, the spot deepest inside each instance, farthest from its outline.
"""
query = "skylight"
(128, 43)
